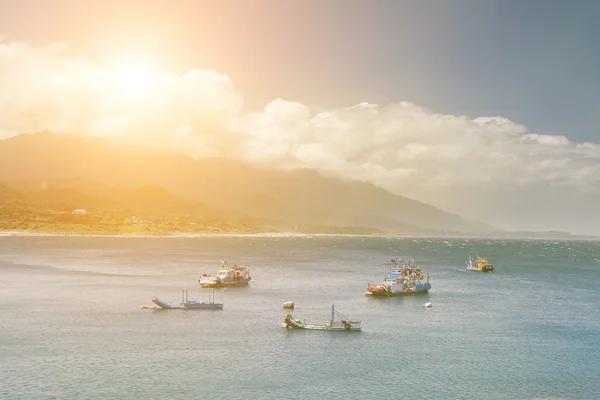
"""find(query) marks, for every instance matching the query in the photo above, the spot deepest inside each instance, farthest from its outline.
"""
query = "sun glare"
(133, 79)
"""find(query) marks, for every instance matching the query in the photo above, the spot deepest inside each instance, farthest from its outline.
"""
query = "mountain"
(235, 189)
(70, 194)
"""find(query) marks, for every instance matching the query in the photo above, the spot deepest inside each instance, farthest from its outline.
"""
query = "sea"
(72, 326)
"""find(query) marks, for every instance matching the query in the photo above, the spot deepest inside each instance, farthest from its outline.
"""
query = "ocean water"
(71, 326)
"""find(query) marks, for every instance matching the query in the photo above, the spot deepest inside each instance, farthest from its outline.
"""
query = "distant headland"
(64, 185)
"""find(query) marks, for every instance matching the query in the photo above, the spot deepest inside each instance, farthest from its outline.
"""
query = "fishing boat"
(404, 279)
(479, 264)
(188, 304)
(237, 275)
(341, 324)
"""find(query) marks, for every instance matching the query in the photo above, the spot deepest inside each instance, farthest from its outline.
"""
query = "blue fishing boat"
(404, 279)
(188, 304)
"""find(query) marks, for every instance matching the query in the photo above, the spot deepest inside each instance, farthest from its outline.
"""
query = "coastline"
(187, 235)
(180, 235)
(144, 234)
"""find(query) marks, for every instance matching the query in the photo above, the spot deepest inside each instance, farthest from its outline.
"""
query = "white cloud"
(447, 160)
(424, 148)
(42, 90)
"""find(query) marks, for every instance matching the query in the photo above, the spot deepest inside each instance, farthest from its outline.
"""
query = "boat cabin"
(233, 274)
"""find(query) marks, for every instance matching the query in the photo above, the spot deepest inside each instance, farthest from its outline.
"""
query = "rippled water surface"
(71, 326)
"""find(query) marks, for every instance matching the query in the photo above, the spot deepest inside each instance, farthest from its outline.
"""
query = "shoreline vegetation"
(95, 223)
(30, 221)
(5, 233)
(54, 230)
(147, 232)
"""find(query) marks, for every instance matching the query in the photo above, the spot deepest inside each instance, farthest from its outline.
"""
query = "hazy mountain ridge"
(214, 186)
(67, 195)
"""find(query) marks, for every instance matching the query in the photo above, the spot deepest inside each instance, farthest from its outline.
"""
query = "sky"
(484, 108)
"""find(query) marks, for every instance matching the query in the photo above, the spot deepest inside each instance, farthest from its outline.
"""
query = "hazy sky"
(534, 62)
(488, 109)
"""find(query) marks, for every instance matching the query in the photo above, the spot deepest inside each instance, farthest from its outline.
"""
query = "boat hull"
(385, 293)
(218, 284)
(389, 291)
(187, 306)
(350, 326)
(487, 268)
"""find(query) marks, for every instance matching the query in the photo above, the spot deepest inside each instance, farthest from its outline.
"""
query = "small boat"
(404, 279)
(238, 275)
(427, 305)
(188, 304)
(288, 304)
(342, 324)
(479, 264)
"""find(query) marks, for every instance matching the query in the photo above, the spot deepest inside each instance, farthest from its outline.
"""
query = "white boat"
(188, 304)
(342, 324)
(238, 275)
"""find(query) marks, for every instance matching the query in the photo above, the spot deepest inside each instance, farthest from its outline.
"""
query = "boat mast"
(332, 313)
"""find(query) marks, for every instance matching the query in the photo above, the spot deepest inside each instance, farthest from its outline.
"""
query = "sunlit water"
(71, 326)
